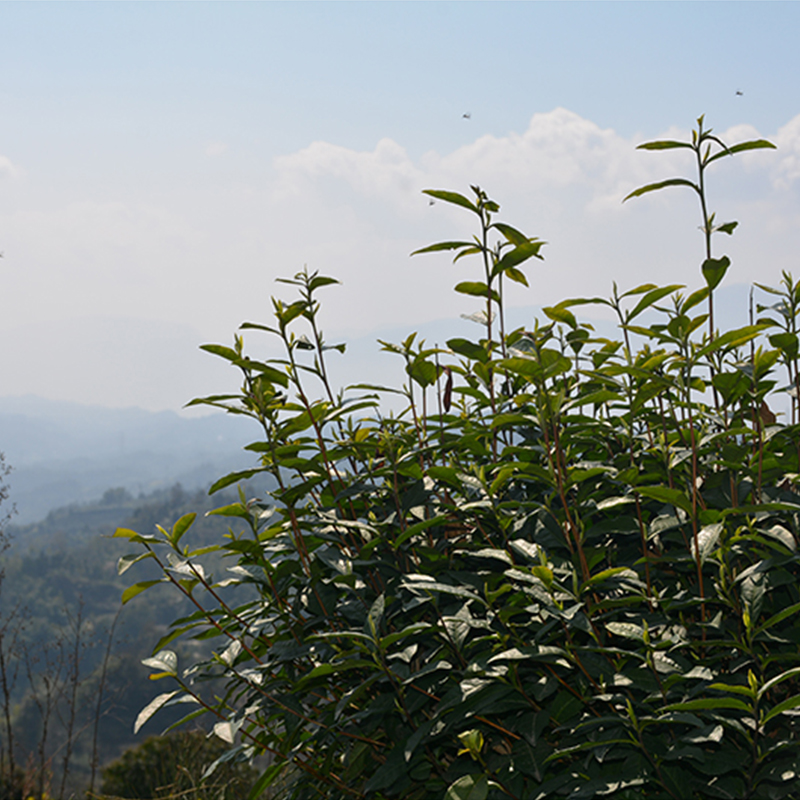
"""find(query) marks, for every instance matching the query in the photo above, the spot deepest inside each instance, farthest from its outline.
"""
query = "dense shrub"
(568, 568)
(173, 766)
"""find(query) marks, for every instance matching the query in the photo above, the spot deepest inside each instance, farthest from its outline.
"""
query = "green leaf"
(154, 705)
(434, 586)
(577, 339)
(522, 252)
(512, 234)
(790, 673)
(752, 593)
(663, 144)
(266, 779)
(397, 636)
(779, 617)
(786, 343)
(467, 251)
(375, 615)
(707, 539)
(468, 787)
(714, 270)
(709, 704)
(418, 527)
(489, 552)
(654, 187)
(181, 526)
(477, 289)
(422, 371)
(468, 349)
(164, 661)
(174, 634)
(769, 290)
(318, 281)
(727, 687)
(212, 400)
(220, 350)
(755, 144)
(287, 314)
(433, 248)
(680, 782)
(641, 289)
(183, 720)
(267, 373)
(731, 385)
(390, 773)
(255, 326)
(561, 314)
(610, 573)
(336, 668)
(471, 742)
(694, 299)
(371, 387)
(731, 339)
(513, 274)
(126, 562)
(231, 510)
(786, 705)
(674, 497)
(302, 342)
(626, 629)
(728, 227)
(338, 347)
(549, 364)
(414, 740)
(125, 533)
(138, 588)
(234, 477)
(652, 296)
(451, 197)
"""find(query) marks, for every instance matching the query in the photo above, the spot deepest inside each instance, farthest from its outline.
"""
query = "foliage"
(12, 784)
(169, 766)
(568, 568)
(8, 511)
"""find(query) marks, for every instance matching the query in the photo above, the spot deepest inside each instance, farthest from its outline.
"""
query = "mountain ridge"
(64, 452)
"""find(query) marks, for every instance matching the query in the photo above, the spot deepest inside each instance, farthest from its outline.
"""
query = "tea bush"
(569, 568)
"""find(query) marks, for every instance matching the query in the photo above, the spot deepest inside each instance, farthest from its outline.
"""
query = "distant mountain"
(66, 453)
(63, 453)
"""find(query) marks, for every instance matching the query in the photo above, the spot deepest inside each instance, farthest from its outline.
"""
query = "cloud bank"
(205, 254)
(7, 169)
(562, 179)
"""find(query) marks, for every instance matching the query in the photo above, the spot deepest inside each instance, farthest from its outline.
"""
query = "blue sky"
(162, 163)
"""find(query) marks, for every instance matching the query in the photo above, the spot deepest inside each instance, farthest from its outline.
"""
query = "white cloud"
(562, 179)
(214, 149)
(788, 142)
(558, 150)
(7, 169)
(386, 172)
(206, 255)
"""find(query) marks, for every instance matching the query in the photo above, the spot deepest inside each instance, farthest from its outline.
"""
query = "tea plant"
(562, 570)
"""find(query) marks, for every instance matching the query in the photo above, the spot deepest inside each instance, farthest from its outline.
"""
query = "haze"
(161, 164)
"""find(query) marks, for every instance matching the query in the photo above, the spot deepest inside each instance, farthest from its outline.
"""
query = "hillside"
(60, 594)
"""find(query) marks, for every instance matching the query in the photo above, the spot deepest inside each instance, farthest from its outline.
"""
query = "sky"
(161, 164)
